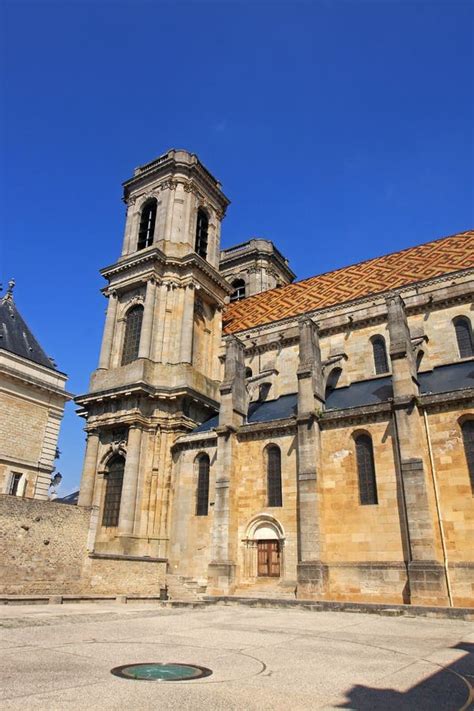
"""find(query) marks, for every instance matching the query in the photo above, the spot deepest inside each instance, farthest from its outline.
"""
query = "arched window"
(202, 492)
(331, 382)
(202, 229)
(248, 372)
(468, 439)
(146, 230)
(274, 476)
(462, 326)
(239, 290)
(113, 491)
(131, 341)
(380, 355)
(366, 470)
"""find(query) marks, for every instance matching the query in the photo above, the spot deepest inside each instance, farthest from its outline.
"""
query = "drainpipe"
(438, 511)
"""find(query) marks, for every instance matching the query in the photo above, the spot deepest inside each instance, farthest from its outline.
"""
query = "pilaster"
(107, 341)
(221, 571)
(148, 317)
(311, 578)
(130, 482)
(425, 571)
(86, 492)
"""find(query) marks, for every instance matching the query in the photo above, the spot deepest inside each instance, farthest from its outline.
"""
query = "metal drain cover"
(156, 671)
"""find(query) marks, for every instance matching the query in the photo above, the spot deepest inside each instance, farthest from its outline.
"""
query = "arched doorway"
(263, 548)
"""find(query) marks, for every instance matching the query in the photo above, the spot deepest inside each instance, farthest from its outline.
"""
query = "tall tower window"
(146, 231)
(131, 341)
(239, 290)
(274, 492)
(113, 492)
(202, 493)
(202, 229)
(380, 355)
(366, 470)
(462, 326)
(468, 439)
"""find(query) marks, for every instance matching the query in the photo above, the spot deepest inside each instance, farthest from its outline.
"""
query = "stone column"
(310, 570)
(130, 482)
(89, 471)
(147, 325)
(221, 571)
(108, 337)
(187, 325)
(425, 572)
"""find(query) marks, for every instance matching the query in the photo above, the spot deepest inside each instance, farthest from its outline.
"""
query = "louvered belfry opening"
(274, 476)
(131, 341)
(463, 330)
(468, 440)
(113, 492)
(202, 229)
(366, 470)
(202, 494)
(380, 355)
(146, 230)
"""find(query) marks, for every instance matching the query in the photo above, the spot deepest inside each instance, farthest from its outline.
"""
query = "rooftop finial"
(11, 286)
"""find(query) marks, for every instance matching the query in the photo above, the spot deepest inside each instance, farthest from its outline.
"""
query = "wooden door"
(268, 559)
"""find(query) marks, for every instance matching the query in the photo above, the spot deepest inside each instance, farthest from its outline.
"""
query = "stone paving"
(58, 657)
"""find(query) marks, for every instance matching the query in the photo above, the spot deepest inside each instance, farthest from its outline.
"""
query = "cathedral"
(257, 435)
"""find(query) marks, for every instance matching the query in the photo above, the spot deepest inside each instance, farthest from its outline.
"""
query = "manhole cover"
(155, 671)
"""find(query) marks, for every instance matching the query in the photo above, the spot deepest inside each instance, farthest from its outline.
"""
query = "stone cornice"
(176, 163)
(183, 266)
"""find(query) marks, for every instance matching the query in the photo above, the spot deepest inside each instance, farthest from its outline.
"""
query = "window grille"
(146, 230)
(113, 492)
(202, 229)
(380, 355)
(131, 341)
(468, 438)
(202, 494)
(14, 484)
(239, 290)
(366, 470)
(274, 476)
(462, 327)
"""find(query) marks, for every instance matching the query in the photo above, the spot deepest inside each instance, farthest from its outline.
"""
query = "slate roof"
(16, 337)
(445, 378)
(392, 271)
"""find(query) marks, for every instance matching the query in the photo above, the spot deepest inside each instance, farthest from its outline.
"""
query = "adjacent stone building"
(32, 399)
(311, 438)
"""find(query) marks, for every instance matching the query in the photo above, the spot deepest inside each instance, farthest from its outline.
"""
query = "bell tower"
(158, 373)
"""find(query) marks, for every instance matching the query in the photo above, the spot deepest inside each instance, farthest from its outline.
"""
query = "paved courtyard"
(58, 657)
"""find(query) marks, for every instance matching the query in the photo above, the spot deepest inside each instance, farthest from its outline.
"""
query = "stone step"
(184, 588)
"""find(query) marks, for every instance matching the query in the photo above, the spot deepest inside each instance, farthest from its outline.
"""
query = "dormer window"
(202, 229)
(239, 290)
(146, 231)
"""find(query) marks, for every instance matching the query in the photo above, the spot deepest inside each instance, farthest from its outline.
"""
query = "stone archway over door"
(263, 549)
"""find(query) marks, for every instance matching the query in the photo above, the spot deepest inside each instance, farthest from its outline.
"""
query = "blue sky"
(340, 129)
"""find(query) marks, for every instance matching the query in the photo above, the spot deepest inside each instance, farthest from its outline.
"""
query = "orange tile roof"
(442, 256)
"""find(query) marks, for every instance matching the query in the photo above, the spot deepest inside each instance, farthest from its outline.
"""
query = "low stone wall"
(44, 551)
(42, 546)
(124, 575)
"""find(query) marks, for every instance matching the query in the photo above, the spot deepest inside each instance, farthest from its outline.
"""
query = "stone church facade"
(312, 438)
